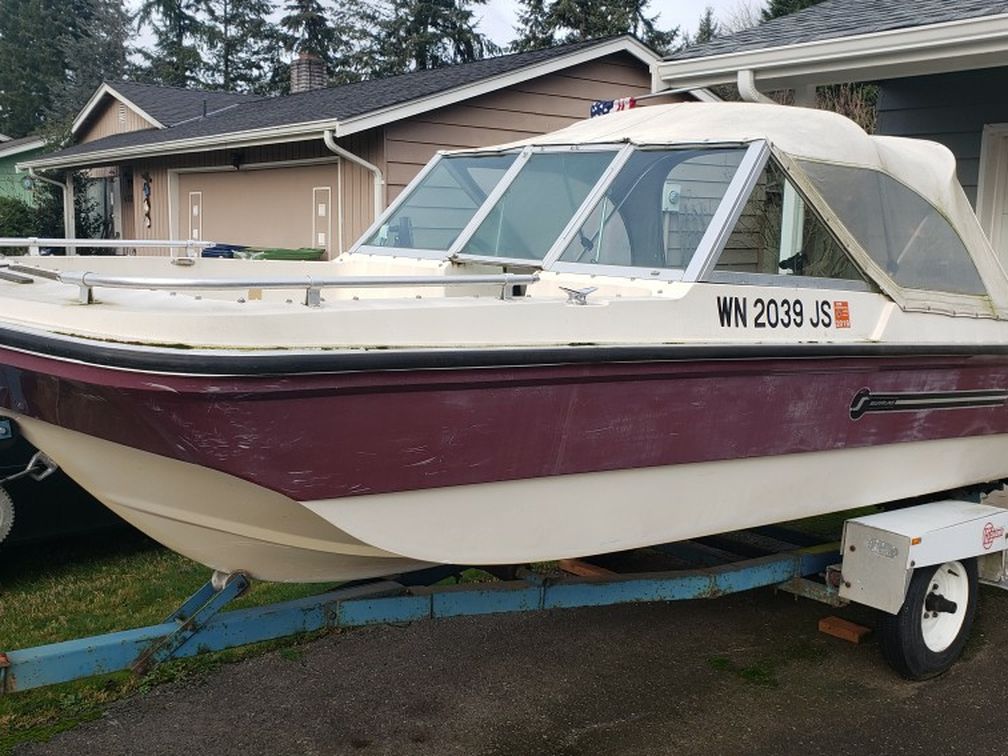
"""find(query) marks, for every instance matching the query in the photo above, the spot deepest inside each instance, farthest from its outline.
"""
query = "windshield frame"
(454, 251)
(908, 299)
(714, 238)
(429, 254)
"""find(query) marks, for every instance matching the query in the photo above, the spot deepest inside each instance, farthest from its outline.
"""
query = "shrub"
(19, 219)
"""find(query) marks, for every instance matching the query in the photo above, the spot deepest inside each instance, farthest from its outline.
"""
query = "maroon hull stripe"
(315, 436)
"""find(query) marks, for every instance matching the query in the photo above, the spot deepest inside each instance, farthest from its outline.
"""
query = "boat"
(655, 325)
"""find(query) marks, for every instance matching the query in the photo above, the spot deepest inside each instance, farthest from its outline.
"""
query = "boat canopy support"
(199, 625)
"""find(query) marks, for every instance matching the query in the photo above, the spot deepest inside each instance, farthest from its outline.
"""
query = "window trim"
(771, 279)
(488, 204)
(722, 224)
(910, 300)
(596, 194)
(459, 256)
(781, 280)
(360, 244)
(757, 152)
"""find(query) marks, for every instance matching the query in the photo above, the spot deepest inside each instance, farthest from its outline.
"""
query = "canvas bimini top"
(577, 200)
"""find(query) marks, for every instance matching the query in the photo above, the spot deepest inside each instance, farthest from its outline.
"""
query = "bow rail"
(313, 285)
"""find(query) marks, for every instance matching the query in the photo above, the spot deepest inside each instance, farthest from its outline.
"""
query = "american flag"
(601, 107)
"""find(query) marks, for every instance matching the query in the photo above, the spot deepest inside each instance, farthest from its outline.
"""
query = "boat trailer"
(880, 562)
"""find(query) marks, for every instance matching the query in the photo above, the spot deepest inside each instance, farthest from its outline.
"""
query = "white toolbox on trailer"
(881, 551)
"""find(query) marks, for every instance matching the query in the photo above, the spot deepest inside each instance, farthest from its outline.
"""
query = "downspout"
(747, 88)
(379, 179)
(69, 227)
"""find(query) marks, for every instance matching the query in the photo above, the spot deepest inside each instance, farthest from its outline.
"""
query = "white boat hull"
(234, 525)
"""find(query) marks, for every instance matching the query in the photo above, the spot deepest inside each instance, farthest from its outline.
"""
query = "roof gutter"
(921, 50)
(379, 179)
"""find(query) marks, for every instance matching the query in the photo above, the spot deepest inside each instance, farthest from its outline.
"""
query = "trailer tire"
(6, 514)
(921, 642)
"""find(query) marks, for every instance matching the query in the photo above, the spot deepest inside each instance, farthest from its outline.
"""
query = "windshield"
(441, 205)
(590, 205)
(657, 209)
(538, 205)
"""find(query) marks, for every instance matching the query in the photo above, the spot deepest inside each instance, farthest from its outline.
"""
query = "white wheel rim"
(940, 629)
(6, 514)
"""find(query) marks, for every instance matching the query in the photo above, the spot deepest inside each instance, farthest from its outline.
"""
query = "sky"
(498, 17)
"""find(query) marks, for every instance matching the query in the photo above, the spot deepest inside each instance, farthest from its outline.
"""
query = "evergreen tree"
(94, 48)
(53, 55)
(543, 24)
(778, 8)
(708, 28)
(243, 47)
(178, 29)
(424, 34)
(534, 29)
(30, 74)
(308, 29)
(359, 49)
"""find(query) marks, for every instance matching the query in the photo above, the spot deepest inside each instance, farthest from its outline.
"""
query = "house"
(313, 168)
(940, 67)
(13, 151)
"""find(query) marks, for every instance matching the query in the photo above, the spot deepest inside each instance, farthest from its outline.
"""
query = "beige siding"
(156, 177)
(158, 170)
(399, 150)
(113, 117)
(357, 196)
(262, 208)
(533, 107)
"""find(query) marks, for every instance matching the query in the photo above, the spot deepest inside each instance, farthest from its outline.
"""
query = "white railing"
(312, 285)
(36, 243)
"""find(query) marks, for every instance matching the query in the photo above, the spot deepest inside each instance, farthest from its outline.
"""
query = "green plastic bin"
(279, 253)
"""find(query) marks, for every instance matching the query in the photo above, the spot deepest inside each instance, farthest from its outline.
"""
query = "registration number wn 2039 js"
(783, 312)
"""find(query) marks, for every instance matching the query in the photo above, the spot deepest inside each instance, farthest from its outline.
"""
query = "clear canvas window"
(656, 210)
(441, 205)
(779, 234)
(904, 233)
(538, 205)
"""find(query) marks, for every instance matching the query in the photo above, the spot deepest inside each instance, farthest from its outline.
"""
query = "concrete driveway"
(747, 674)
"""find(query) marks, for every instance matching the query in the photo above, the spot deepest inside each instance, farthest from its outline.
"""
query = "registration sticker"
(841, 314)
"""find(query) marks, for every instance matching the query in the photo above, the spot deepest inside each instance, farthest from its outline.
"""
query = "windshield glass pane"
(538, 205)
(656, 210)
(901, 230)
(443, 203)
(779, 234)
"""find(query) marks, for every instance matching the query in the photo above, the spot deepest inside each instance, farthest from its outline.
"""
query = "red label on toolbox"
(841, 314)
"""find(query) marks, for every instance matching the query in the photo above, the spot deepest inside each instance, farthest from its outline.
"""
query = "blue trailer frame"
(200, 626)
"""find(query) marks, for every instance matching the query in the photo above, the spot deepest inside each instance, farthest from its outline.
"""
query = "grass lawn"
(118, 580)
(72, 588)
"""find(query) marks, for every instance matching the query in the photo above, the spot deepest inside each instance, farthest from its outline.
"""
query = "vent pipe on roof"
(307, 72)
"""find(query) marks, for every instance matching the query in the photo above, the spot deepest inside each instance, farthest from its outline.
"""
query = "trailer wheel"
(928, 634)
(6, 514)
